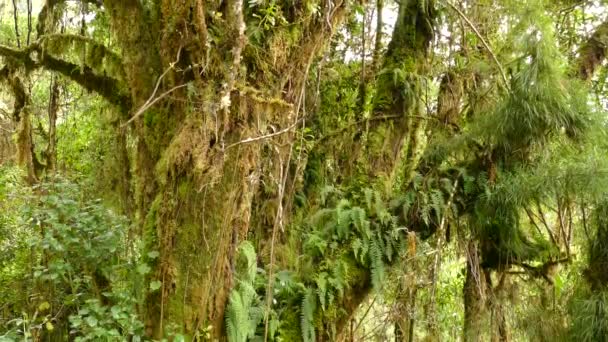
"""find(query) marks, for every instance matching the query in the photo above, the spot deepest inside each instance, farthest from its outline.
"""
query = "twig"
(485, 44)
(263, 137)
(365, 314)
(541, 216)
(585, 227)
(149, 104)
(151, 100)
(29, 21)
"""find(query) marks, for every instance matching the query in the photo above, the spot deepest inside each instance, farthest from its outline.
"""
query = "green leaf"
(153, 254)
(91, 321)
(44, 306)
(115, 310)
(155, 285)
(143, 269)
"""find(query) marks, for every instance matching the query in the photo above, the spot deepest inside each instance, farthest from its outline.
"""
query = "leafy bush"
(74, 261)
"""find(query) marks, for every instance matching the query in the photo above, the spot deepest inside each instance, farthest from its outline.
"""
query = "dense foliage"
(303, 171)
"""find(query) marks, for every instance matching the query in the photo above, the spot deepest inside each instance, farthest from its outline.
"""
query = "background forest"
(303, 170)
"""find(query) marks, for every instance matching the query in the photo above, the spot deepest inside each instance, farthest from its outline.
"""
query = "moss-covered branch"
(33, 57)
(593, 52)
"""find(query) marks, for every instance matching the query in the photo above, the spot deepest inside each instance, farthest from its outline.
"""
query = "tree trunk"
(51, 150)
(23, 122)
(399, 91)
(379, 34)
(474, 293)
(199, 166)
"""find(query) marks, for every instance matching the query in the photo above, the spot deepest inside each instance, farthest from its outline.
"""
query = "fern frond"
(377, 264)
(359, 219)
(437, 203)
(309, 305)
(321, 281)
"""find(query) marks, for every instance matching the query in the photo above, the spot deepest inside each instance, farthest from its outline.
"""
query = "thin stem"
(16, 24)
(485, 44)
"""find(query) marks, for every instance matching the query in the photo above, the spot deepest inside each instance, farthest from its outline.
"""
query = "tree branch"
(32, 57)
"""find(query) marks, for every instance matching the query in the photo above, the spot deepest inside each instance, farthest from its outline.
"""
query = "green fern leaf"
(307, 316)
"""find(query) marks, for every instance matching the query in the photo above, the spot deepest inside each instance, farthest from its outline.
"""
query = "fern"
(244, 311)
(425, 208)
(339, 279)
(326, 193)
(437, 203)
(377, 265)
(369, 197)
(321, 282)
(309, 306)
(388, 248)
(357, 248)
(315, 244)
(359, 219)
(247, 251)
(343, 218)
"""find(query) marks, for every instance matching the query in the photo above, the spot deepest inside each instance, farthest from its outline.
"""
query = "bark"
(22, 120)
(198, 168)
(51, 150)
(474, 293)
(124, 164)
(7, 147)
(349, 305)
(597, 263)
(448, 100)
(399, 89)
(404, 327)
(500, 331)
(379, 34)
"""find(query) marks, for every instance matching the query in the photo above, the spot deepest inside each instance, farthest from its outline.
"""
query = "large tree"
(203, 89)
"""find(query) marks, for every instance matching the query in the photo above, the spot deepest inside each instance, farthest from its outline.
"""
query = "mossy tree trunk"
(197, 172)
(474, 294)
(21, 117)
(53, 109)
(399, 91)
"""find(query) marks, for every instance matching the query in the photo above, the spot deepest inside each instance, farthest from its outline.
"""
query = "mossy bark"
(399, 90)
(196, 173)
(23, 122)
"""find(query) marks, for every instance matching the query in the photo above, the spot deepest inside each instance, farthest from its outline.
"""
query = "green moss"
(151, 118)
(289, 330)
(184, 188)
(150, 223)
